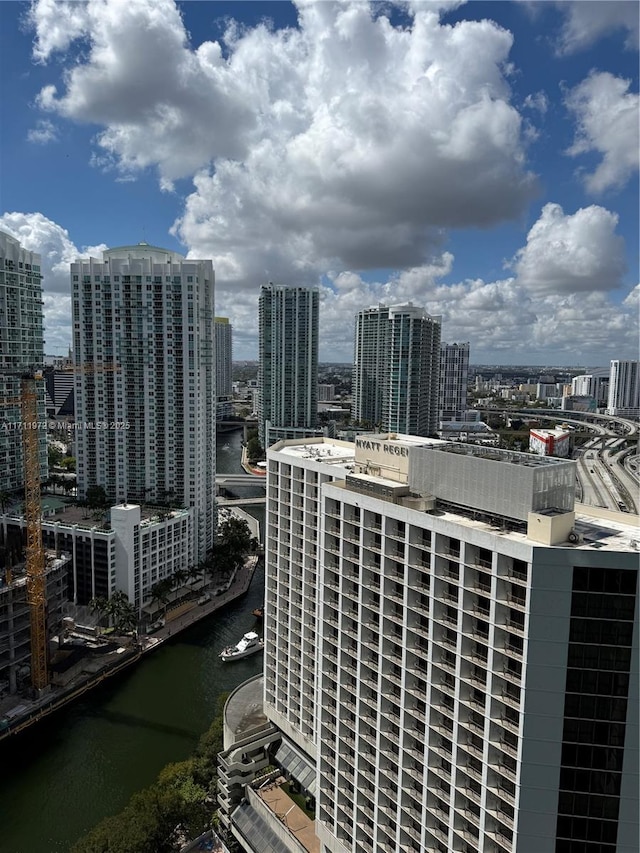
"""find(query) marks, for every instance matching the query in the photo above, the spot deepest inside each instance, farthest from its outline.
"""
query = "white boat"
(248, 645)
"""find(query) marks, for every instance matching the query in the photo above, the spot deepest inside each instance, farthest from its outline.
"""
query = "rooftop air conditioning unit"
(574, 537)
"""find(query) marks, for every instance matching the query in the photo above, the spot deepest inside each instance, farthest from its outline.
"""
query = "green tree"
(255, 451)
(121, 614)
(69, 462)
(55, 456)
(96, 497)
(233, 543)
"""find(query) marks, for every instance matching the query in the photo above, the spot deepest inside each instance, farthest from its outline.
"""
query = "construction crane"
(35, 559)
(35, 563)
(36, 579)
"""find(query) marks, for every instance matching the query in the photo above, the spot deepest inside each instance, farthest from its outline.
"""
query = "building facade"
(550, 442)
(594, 384)
(21, 350)
(145, 386)
(15, 618)
(224, 368)
(134, 550)
(454, 371)
(451, 644)
(288, 358)
(624, 389)
(396, 369)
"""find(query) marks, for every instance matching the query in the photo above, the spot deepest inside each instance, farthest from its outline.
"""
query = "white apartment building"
(594, 384)
(624, 389)
(454, 372)
(288, 320)
(396, 369)
(452, 645)
(21, 349)
(134, 550)
(143, 341)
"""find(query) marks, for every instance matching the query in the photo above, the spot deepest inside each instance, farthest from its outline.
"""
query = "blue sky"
(479, 159)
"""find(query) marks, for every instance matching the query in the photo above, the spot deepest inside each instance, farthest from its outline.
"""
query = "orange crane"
(36, 579)
(35, 562)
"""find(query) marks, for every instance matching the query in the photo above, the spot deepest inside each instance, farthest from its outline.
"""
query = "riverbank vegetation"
(178, 806)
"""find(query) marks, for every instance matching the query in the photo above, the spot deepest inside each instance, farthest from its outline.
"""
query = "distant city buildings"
(288, 361)
(59, 383)
(454, 371)
(326, 393)
(624, 389)
(594, 384)
(396, 369)
(21, 351)
(143, 343)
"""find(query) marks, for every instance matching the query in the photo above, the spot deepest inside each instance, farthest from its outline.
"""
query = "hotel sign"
(392, 449)
(389, 456)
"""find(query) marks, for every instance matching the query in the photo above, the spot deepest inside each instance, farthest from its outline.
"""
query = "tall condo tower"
(224, 356)
(288, 350)
(224, 362)
(21, 349)
(624, 388)
(396, 369)
(145, 405)
(454, 370)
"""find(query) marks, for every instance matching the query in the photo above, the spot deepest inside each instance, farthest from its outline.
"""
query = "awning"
(300, 768)
(257, 831)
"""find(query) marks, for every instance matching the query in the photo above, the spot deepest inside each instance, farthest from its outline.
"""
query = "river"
(64, 775)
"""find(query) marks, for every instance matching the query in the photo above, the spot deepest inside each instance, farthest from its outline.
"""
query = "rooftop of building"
(512, 457)
(597, 528)
(321, 449)
(556, 432)
(71, 515)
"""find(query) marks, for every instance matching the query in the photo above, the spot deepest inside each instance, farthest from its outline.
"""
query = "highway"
(605, 480)
(608, 472)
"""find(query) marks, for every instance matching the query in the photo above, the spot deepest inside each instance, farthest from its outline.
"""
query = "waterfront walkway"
(17, 714)
(237, 586)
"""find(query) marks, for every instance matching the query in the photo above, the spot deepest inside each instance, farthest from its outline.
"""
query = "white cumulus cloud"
(43, 133)
(608, 118)
(346, 141)
(571, 253)
(587, 20)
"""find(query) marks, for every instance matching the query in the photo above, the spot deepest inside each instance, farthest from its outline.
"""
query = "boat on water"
(248, 645)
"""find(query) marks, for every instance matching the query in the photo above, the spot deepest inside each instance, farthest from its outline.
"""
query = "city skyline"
(481, 164)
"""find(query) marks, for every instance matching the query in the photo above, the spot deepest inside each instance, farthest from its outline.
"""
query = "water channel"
(62, 777)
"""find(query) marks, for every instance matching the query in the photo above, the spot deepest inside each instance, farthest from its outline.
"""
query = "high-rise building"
(624, 389)
(454, 370)
(396, 369)
(288, 359)
(594, 384)
(451, 655)
(145, 400)
(224, 368)
(21, 350)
